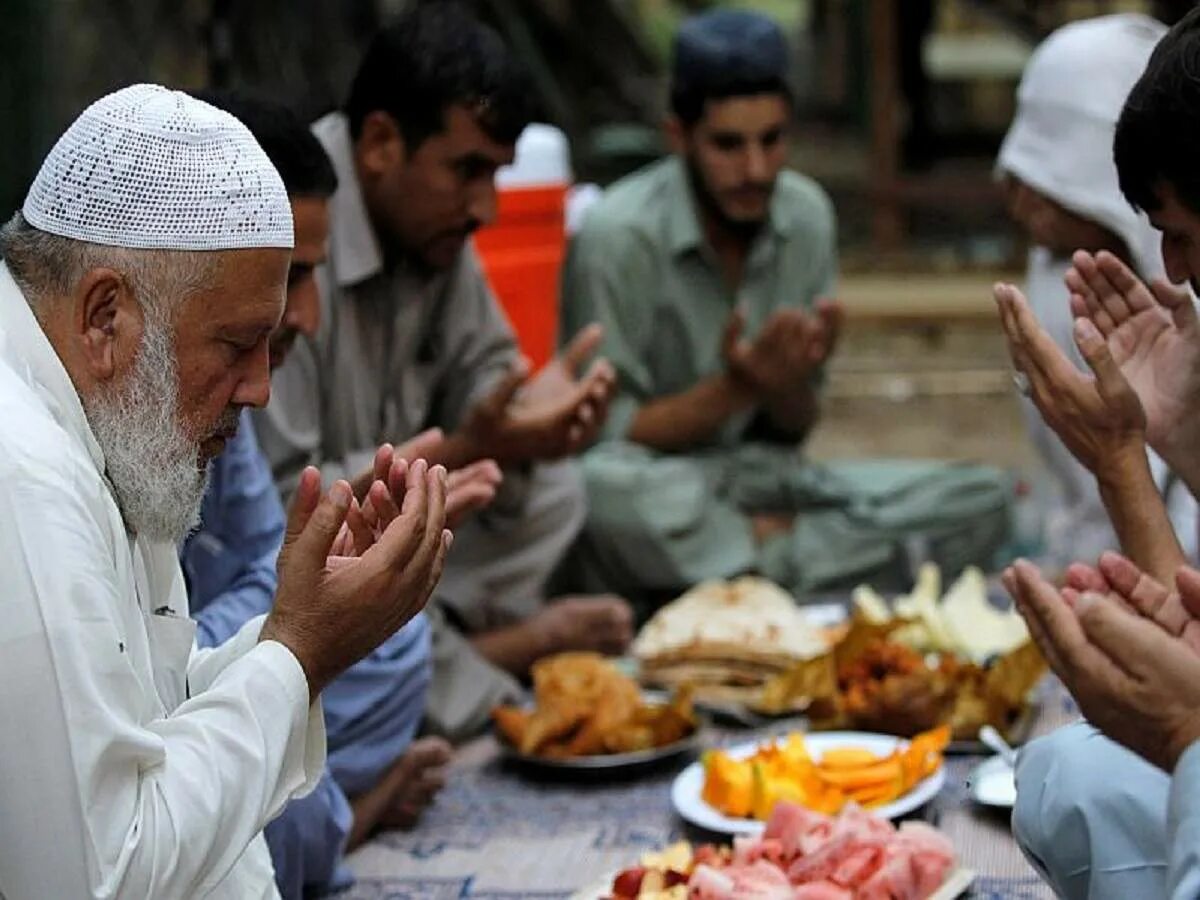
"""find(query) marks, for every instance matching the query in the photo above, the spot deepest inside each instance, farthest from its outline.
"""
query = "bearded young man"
(711, 273)
(142, 280)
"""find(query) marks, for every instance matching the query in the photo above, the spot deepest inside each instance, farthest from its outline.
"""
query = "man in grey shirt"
(413, 347)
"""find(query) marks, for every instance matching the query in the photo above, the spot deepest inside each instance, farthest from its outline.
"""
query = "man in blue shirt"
(377, 776)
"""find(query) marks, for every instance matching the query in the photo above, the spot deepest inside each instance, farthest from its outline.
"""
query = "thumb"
(832, 314)
(585, 343)
(304, 501)
(505, 391)
(1111, 384)
(315, 541)
(1178, 301)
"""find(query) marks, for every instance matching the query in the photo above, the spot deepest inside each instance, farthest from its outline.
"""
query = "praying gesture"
(791, 346)
(1101, 421)
(1153, 336)
(1132, 678)
(1176, 611)
(332, 612)
(1099, 417)
(555, 414)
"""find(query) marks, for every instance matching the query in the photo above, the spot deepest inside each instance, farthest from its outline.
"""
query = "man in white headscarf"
(140, 285)
(1063, 191)
(1095, 819)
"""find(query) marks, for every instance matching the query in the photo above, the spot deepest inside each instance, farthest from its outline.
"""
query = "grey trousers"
(495, 576)
(1091, 816)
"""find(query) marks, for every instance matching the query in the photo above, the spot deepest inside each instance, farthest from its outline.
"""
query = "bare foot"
(415, 780)
(404, 791)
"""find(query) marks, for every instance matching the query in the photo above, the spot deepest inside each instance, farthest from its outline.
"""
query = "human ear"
(107, 322)
(380, 145)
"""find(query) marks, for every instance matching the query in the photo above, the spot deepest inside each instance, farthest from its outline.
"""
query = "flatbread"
(748, 619)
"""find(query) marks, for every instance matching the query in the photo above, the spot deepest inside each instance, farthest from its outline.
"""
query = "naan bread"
(748, 619)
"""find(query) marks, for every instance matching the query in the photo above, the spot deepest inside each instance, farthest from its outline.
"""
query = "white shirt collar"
(354, 250)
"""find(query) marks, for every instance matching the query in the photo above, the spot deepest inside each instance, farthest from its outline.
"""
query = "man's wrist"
(271, 631)
(544, 634)
(1178, 451)
(1181, 742)
(462, 448)
(737, 389)
(1124, 468)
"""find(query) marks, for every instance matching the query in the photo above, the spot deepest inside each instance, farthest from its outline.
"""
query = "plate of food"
(921, 661)
(586, 715)
(735, 791)
(752, 654)
(728, 639)
(801, 855)
(930, 658)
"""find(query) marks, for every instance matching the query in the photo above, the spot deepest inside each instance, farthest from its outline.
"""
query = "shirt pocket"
(171, 641)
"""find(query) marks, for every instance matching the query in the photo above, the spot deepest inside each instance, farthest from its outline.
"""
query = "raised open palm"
(1153, 335)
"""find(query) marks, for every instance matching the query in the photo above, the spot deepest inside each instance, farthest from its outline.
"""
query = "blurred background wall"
(903, 105)
(903, 102)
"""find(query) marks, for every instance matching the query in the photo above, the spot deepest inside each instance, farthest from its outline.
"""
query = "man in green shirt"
(711, 272)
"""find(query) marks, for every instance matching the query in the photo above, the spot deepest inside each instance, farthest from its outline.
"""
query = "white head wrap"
(147, 167)
(1061, 144)
(1061, 140)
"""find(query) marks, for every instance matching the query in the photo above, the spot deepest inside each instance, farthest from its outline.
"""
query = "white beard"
(153, 465)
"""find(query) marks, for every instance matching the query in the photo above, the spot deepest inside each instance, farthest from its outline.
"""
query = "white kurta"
(131, 764)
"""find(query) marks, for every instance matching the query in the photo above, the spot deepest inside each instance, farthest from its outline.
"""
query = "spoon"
(992, 739)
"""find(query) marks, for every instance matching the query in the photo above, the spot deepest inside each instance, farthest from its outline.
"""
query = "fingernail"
(1086, 601)
(341, 494)
(439, 472)
(448, 537)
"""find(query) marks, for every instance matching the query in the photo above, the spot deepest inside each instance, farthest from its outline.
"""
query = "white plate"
(991, 783)
(954, 886)
(686, 791)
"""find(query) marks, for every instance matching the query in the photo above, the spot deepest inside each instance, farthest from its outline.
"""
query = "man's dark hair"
(1157, 142)
(436, 56)
(302, 162)
(1171, 11)
(688, 100)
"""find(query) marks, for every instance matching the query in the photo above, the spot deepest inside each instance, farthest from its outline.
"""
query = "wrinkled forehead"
(244, 289)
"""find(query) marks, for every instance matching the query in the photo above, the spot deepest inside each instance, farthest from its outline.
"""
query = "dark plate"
(612, 763)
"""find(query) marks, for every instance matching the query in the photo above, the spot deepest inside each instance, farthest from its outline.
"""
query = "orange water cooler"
(522, 251)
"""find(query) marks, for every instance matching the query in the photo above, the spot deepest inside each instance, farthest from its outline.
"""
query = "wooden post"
(887, 221)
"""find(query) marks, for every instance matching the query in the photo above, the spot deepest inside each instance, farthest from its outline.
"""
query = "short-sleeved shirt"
(641, 267)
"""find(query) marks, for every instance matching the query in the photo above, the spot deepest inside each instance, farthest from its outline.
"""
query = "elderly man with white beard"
(140, 284)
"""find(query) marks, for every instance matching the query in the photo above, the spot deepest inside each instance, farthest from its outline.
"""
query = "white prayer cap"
(1060, 142)
(147, 167)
